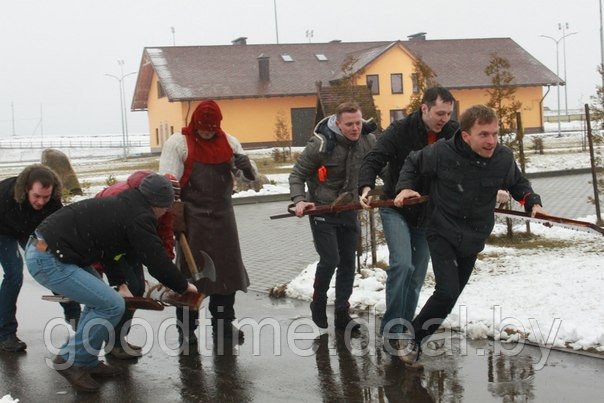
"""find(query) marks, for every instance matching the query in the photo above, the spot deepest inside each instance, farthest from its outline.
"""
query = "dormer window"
(286, 57)
(321, 57)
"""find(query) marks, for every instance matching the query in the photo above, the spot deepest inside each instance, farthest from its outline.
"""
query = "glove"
(243, 163)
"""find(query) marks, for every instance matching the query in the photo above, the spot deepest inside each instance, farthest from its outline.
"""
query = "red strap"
(524, 198)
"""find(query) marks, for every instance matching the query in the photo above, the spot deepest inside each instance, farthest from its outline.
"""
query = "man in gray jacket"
(329, 165)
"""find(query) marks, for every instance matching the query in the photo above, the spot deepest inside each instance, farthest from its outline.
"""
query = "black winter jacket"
(464, 189)
(391, 150)
(19, 220)
(103, 229)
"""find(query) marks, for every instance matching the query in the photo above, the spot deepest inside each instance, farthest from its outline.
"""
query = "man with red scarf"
(204, 158)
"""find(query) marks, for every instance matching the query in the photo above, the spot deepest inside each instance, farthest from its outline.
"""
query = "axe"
(207, 268)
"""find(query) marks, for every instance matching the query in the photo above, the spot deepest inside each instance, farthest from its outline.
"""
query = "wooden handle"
(186, 250)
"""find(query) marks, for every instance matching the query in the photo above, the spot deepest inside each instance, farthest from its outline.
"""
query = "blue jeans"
(12, 264)
(408, 262)
(103, 306)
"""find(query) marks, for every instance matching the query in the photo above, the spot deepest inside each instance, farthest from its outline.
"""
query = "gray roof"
(231, 71)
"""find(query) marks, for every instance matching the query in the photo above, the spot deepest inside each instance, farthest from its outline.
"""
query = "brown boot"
(78, 377)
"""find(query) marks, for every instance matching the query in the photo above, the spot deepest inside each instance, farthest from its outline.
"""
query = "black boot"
(343, 321)
(188, 338)
(225, 329)
(319, 316)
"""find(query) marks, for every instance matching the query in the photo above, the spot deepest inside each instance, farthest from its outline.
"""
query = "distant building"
(253, 83)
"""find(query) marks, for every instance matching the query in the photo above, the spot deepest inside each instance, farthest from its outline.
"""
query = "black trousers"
(452, 272)
(135, 279)
(221, 307)
(335, 237)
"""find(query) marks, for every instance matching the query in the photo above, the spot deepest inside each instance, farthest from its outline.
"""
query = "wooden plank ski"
(336, 208)
(132, 303)
(549, 221)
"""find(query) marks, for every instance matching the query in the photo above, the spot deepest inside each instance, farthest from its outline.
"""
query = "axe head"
(206, 268)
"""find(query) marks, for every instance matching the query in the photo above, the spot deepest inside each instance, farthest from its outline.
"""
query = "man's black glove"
(243, 163)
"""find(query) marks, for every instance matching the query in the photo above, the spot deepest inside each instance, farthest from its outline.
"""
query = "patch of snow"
(543, 294)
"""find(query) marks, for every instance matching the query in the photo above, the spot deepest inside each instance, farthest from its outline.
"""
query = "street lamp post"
(120, 81)
(557, 42)
(564, 27)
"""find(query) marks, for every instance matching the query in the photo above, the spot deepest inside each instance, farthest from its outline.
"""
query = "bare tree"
(422, 79)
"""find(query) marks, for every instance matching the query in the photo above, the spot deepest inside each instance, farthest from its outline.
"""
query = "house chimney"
(263, 67)
(420, 36)
(242, 40)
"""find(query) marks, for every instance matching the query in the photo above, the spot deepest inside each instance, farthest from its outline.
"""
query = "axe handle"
(186, 250)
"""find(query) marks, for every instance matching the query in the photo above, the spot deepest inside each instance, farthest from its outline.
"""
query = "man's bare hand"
(404, 194)
(124, 291)
(502, 196)
(364, 198)
(538, 209)
(301, 206)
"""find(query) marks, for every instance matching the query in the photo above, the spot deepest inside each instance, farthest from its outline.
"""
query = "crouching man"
(64, 245)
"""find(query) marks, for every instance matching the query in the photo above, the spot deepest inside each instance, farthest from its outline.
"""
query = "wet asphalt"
(281, 359)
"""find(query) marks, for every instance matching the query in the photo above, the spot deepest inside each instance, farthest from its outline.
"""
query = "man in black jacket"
(404, 227)
(100, 230)
(466, 173)
(25, 201)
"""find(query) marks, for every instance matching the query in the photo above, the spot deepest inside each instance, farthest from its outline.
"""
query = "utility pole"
(276, 25)
(12, 108)
(173, 36)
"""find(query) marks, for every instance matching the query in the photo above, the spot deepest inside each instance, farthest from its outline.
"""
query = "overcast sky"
(55, 52)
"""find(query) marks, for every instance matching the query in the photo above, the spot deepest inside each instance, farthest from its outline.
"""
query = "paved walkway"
(276, 251)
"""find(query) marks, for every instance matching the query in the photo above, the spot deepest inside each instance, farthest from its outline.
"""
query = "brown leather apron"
(211, 227)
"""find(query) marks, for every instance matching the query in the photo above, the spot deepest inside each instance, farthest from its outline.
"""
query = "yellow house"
(254, 84)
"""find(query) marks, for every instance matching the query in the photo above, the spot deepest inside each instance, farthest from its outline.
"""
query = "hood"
(23, 178)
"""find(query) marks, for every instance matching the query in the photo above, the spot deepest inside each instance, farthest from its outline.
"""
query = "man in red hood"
(204, 159)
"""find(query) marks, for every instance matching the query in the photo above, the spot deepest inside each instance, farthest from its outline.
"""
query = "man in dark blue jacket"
(466, 173)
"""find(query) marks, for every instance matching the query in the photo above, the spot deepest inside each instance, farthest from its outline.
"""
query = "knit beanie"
(158, 190)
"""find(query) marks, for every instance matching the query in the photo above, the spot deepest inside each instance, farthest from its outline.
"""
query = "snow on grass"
(539, 292)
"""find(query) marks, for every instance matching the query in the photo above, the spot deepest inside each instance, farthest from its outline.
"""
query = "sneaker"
(121, 354)
(319, 316)
(12, 344)
(104, 370)
(78, 377)
(343, 321)
(228, 330)
(410, 354)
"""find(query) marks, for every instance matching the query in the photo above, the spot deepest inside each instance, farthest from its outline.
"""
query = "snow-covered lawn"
(542, 293)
